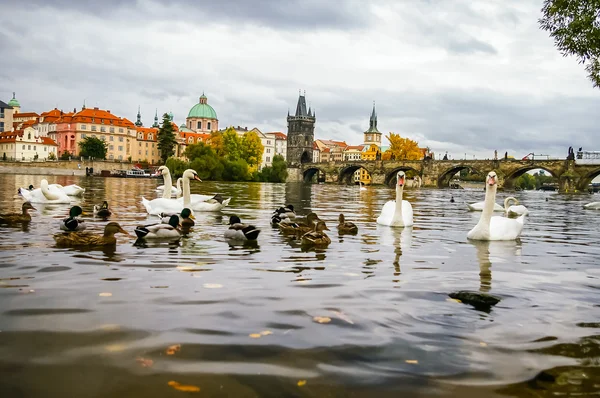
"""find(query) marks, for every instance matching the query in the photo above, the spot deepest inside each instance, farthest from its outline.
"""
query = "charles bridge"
(438, 173)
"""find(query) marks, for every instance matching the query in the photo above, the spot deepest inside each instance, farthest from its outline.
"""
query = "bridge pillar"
(377, 178)
(295, 174)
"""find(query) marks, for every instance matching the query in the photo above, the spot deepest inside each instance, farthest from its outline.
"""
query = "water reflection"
(500, 251)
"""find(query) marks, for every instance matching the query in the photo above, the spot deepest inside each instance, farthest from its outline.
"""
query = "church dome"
(202, 110)
(13, 102)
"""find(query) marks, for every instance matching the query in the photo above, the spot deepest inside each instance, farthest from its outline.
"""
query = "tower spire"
(138, 122)
(155, 118)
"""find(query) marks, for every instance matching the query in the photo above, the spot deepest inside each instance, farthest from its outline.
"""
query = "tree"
(204, 160)
(217, 144)
(51, 156)
(91, 147)
(525, 181)
(65, 155)
(235, 170)
(177, 166)
(276, 173)
(252, 149)
(575, 27)
(404, 148)
(166, 139)
(232, 144)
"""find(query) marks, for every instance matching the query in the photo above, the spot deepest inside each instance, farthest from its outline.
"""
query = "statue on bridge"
(571, 154)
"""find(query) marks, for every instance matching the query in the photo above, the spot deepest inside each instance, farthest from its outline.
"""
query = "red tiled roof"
(100, 116)
(278, 135)
(25, 114)
(357, 147)
(10, 137)
(146, 131)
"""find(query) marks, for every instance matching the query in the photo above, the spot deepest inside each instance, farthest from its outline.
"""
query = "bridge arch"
(390, 177)
(346, 173)
(445, 177)
(586, 180)
(309, 174)
(510, 178)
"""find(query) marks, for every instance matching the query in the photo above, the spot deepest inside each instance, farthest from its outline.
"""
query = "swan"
(45, 194)
(361, 186)
(71, 190)
(174, 190)
(172, 206)
(516, 209)
(239, 231)
(397, 213)
(206, 202)
(495, 228)
(480, 205)
(592, 206)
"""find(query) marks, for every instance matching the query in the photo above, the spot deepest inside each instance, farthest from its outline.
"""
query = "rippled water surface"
(153, 321)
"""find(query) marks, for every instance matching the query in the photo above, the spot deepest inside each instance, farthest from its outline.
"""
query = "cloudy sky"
(459, 76)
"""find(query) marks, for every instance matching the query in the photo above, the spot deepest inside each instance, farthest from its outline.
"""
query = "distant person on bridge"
(506, 155)
(445, 156)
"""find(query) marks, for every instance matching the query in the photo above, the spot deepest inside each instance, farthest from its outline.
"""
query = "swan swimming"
(495, 228)
(45, 194)
(397, 213)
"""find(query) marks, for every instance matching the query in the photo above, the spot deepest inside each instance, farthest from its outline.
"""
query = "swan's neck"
(397, 218)
(46, 191)
(168, 186)
(508, 200)
(187, 199)
(488, 206)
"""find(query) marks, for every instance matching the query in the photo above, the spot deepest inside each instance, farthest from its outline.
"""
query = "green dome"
(203, 110)
(14, 102)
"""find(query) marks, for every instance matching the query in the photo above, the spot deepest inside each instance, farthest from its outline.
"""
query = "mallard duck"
(186, 218)
(168, 231)
(72, 223)
(75, 239)
(103, 210)
(317, 237)
(289, 227)
(12, 218)
(283, 213)
(346, 227)
(239, 231)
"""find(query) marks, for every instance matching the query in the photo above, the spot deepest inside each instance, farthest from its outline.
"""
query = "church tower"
(301, 134)
(372, 135)
(138, 122)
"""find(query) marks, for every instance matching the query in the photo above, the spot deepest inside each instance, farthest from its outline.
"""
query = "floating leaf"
(115, 348)
(212, 285)
(106, 294)
(483, 344)
(453, 300)
(255, 335)
(172, 349)
(183, 387)
(146, 363)
(110, 327)
(413, 361)
(301, 383)
(322, 319)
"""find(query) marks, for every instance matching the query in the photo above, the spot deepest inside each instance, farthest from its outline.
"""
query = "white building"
(280, 140)
(26, 145)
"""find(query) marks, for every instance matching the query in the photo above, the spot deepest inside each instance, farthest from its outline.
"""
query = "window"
(139, 151)
(82, 136)
(1, 124)
(120, 148)
(28, 136)
(153, 145)
(111, 138)
(120, 139)
(199, 125)
(150, 136)
(208, 125)
(83, 127)
(29, 147)
(103, 129)
(111, 147)
(146, 145)
(34, 148)
(191, 140)
(45, 149)
(268, 142)
(103, 138)
(146, 152)
(268, 159)
(93, 128)
(111, 157)
(120, 130)
(23, 147)
(140, 136)
(112, 129)
(268, 150)
(120, 157)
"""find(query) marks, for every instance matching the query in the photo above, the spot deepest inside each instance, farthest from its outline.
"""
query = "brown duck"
(316, 237)
(78, 239)
(346, 227)
(14, 218)
(299, 228)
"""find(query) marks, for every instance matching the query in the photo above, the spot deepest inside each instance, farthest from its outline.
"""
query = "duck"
(283, 213)
(186, 218)
(13, 218)
(346, 227)
(397, 213)
(80, 239)
(168, 231)
(299, 228)
(173, 206)
(495, 228)
(516, 209)
(45, 194)
(102, 210)
(451, 199)
(72, 223)
(590, 206)
(239, 231)
(317, 237)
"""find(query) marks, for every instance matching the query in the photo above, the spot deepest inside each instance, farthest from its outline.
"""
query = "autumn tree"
(575, 27)
(252, 149)
(92, 147)
(403, 148)
(216, 143)
(166, 138)
(232, 144)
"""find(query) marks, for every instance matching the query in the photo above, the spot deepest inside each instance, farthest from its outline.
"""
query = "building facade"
(280, 140)
(26, 145)
(6, 117)
(301, 134)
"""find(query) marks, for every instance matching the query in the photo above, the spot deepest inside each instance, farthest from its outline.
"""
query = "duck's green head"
(186, 213)
(75, 211)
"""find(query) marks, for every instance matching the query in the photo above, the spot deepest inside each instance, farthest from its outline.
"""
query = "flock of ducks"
(177, 215)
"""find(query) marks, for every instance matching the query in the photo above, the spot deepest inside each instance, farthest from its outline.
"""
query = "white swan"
(592, 206)
(478, 206)
(397, 213)
(45, 194)
(71, 190)
(176, 191)
(172, 206)
(361, 186)
(516, 209)
(495, 228)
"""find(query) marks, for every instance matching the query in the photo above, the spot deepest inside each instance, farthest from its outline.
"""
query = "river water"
(239, 321)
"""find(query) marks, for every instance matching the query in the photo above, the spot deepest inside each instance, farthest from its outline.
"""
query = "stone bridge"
(438, 173)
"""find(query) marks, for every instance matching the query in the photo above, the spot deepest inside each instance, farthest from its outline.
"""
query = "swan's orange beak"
(197, 178)
(400, 181)
(491, 180)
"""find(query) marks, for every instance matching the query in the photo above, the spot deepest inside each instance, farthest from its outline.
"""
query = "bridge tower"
(301, 134)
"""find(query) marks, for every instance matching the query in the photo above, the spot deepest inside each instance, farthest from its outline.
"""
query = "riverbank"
(61, 167)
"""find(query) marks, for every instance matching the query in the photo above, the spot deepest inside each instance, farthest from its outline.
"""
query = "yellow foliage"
(387, 155)
(404, 148)
(183, 387)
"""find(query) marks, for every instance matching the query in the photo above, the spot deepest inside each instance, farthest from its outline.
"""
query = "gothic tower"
(138, 122)
(301, 134)
(372, 135)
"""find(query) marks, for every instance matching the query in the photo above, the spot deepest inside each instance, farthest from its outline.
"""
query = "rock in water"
(481, 301)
